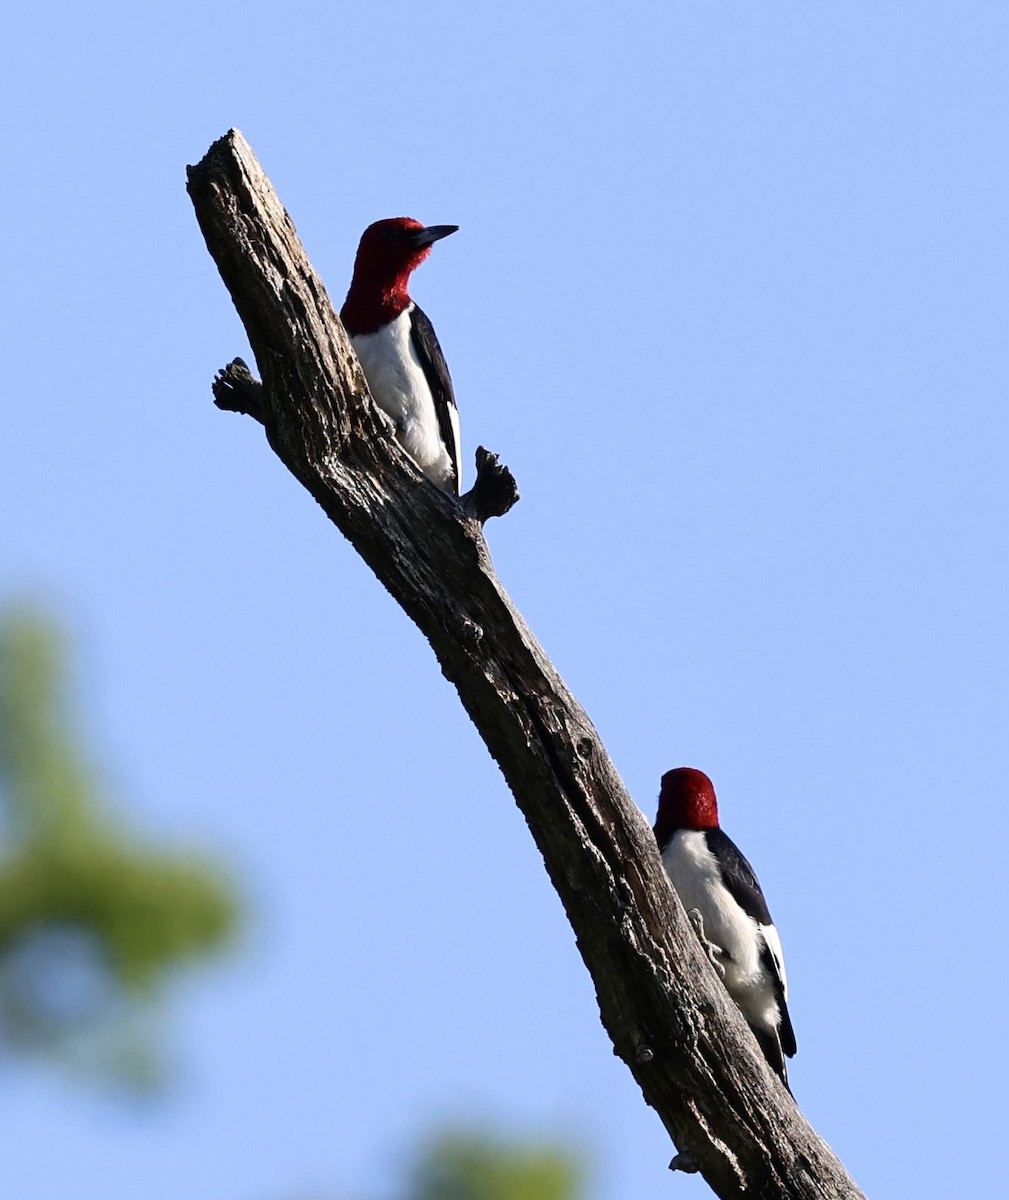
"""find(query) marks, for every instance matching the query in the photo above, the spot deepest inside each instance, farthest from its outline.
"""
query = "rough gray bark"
(668, 1015)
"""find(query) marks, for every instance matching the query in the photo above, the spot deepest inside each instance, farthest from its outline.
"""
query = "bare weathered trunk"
(669, 1017)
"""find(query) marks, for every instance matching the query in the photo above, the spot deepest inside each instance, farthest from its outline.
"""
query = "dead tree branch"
(669, 1017)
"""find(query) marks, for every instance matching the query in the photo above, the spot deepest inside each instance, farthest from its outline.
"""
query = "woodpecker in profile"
(396, 343)
(723, 899)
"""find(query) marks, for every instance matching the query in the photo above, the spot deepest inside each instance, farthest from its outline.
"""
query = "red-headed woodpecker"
(396, 344)
(723, 899)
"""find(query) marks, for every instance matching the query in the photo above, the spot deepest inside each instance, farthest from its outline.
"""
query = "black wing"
(425, 343)
(738, 876)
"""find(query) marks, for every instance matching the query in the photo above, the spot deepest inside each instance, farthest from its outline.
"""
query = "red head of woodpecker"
(396, 344)
(721, 894)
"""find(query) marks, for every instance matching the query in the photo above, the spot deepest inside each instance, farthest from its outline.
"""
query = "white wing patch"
(453, 416)
(777, 957)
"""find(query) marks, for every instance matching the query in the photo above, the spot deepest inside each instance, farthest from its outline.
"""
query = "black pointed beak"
(433, 233)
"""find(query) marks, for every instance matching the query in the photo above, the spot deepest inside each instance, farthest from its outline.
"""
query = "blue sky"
(730, 297)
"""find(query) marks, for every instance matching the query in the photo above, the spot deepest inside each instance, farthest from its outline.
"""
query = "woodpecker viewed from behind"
(396, 343)
(720, 892)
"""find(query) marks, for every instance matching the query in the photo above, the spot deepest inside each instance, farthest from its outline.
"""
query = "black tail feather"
(770, 1044)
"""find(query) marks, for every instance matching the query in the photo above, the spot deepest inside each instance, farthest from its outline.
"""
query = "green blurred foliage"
(471, 1166)
(93, 924)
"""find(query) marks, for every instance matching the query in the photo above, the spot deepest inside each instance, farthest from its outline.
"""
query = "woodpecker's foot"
(695, 919)
(394, 427)
(685, 1163)
(494, 492)
(236, 389)
(710, 949)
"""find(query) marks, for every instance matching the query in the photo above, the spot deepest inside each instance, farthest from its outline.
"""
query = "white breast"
(399, 385)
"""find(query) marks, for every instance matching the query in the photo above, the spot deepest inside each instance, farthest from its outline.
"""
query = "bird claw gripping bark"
(712, 951)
